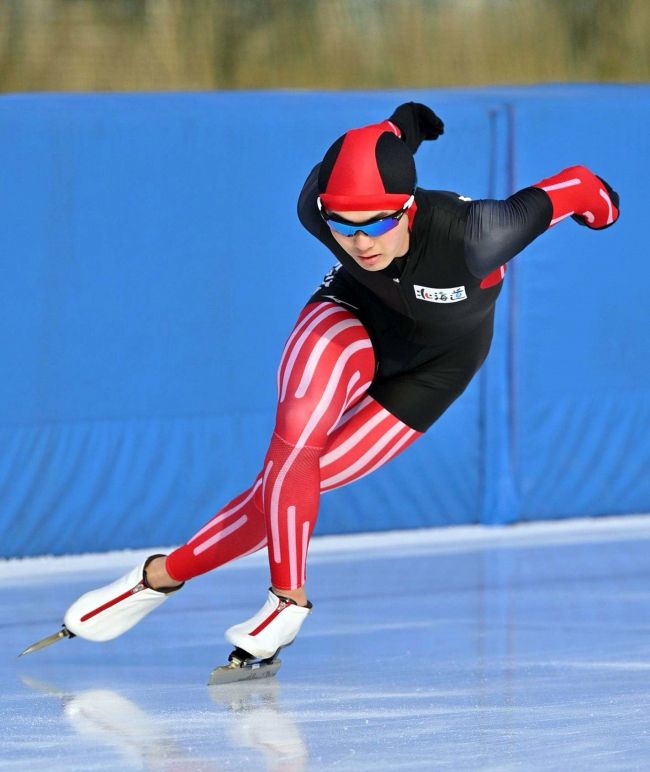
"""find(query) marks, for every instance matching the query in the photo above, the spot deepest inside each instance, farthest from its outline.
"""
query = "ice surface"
(521, 648)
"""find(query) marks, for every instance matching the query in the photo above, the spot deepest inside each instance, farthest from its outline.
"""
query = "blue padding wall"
(153, 265)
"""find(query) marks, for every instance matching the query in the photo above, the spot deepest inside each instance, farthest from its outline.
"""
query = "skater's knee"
(293, 417)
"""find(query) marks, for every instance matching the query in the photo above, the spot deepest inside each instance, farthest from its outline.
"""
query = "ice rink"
(525, 647)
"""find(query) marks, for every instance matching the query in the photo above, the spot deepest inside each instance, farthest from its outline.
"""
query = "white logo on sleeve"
(437, 295)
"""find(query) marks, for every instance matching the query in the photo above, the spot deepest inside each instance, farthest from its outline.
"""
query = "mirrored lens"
(372, 229)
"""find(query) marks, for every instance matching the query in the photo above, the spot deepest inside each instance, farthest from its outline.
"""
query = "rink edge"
(468, 538)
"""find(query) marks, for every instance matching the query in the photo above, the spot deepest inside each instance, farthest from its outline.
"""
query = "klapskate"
(103, 614)
(259, 639)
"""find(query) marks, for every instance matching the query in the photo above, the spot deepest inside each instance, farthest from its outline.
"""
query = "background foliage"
(133, 45)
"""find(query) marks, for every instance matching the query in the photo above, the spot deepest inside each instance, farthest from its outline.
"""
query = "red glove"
(579, 193)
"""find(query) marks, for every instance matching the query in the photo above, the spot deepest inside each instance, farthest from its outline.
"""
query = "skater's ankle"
(156, 576)
(298, 596)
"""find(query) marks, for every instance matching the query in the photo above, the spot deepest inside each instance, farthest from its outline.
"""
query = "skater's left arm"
(498, 230)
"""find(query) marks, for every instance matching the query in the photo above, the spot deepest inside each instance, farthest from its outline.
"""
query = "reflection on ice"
(142, 742)
(103, 716)
(519, 649)
(261, 724)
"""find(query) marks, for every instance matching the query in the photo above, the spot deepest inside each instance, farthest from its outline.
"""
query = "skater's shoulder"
(442, 202)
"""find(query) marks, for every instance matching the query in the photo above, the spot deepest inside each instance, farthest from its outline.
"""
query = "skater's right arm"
(308, 211)
(417, 123)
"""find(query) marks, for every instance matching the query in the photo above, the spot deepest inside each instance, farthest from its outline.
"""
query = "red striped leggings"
(328, 433)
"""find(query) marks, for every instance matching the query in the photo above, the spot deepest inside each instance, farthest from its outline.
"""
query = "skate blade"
(232, 673)
(63, 633)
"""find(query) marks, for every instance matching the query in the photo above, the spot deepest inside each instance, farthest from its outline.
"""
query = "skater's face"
(373, 253)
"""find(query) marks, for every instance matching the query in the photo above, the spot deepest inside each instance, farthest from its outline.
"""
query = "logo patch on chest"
(438, 295)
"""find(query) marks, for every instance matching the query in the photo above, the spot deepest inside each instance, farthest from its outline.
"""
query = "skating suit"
(430, 313)
(376, 357)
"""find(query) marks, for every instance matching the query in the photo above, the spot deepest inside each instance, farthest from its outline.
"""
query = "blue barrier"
(153, 266)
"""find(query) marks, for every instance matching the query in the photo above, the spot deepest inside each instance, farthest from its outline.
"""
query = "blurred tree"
(206, 44)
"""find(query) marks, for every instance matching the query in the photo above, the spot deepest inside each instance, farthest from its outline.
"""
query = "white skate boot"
(103, 614)
(275, 625)
(258, 640)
